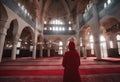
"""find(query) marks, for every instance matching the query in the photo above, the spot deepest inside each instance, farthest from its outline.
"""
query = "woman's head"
(71, 45)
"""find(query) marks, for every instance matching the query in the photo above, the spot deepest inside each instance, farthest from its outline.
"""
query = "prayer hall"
(35, 36)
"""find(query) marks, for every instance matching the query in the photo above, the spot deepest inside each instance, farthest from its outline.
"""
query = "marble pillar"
(3, 32)
(14, 49)
(96, 30)
(34, 52)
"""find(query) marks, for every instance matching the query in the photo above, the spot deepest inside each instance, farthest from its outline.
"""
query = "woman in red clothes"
(71, 63)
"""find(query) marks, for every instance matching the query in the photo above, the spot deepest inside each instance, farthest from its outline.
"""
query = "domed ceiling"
(46, 10)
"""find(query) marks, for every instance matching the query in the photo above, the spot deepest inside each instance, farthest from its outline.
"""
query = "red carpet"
(51, 70)
(57, 72)
(50, 65)
(31, 65)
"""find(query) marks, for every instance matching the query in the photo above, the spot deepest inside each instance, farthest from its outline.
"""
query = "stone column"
(14, 49)
(34, 51)
(96, 31)
(35, 39)
(64, 46)
(114, 41)
(84, 45)
(79, 18)
(41, 51)
(84, 51)
(49, 46)
(2, 40)
(34, 45)
(78, 43)
(48, 52)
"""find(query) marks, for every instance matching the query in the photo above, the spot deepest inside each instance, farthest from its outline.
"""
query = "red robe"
(71, 62)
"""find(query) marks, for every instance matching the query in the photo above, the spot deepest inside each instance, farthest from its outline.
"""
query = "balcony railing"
(15, 8)
(66, 32)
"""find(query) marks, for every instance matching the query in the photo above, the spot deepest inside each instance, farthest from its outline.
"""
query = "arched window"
(109, 2)
(60, 51)
(56, 25)
(91, 39)
(81, 43)
(118, 42)
(56, 22)
(111, 44)
(106, 4)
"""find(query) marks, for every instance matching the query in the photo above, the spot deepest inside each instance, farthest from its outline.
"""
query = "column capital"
(3, 31)
(15, 40)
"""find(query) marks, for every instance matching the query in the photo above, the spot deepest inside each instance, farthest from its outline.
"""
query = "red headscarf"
(71, 45)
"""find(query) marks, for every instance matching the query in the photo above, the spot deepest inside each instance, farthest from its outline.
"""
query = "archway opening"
(9, 40)
(26, 42)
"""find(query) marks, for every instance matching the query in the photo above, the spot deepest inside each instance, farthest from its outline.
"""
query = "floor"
(49, 69)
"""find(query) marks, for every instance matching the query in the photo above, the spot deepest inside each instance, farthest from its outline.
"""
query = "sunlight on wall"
(60, 51)
(118, 43)
(103, 47)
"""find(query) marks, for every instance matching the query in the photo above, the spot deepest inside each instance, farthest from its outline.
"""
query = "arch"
(86, 33)
(85, 28)
(56, 46)
(12, 30)
(10, 38)
(27, 32)
(108, 21)
(26, 39)
(57, 39)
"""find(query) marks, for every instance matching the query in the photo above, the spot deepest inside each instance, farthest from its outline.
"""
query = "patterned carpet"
(50, 70)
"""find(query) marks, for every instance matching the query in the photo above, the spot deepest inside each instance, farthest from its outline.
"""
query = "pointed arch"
(28, 31)
(108, 21)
